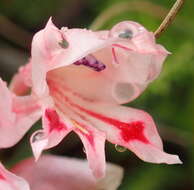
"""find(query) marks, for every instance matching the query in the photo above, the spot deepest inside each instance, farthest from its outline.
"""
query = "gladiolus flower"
(78, 79)
(59, 173)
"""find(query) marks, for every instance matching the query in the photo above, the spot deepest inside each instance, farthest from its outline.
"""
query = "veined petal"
(94, 145)
(61, 173)
(9, 181)
(54, 130)
(17, 115)
(128, 127)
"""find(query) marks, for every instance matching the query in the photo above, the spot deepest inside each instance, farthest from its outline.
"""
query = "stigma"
(91, 62)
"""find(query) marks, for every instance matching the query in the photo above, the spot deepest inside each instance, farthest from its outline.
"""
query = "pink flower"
(17, 115)
(59, 173)
(78, 79)
(9, 181)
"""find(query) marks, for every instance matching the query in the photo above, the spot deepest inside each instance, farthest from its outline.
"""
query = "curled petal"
(54, 130)
(9, 181)
(54, 172)
(48, 51)
(17, 115)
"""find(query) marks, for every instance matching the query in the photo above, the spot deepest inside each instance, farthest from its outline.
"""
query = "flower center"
(91, 62)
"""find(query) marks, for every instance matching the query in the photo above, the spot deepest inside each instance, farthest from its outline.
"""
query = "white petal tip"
(173, 159)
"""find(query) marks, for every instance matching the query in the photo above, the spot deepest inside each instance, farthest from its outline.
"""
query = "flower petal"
(55, 172)
(120, 82)
(21, 82)
(54, 130)
(128, 127)
(94, 145)
(47, 53)
(9, 181)
(17, 115)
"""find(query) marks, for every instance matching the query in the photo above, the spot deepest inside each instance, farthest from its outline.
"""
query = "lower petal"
(94, 145)
(128, 127)
(54, 130)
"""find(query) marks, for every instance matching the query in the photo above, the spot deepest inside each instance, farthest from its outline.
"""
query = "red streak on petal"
(114, 56)
(54, 121)
(129, 131)
(2, 177)
(122, 47)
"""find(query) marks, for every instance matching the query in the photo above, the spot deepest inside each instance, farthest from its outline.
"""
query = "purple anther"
(92, 62)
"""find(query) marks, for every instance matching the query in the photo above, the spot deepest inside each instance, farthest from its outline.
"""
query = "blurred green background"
(169, 99)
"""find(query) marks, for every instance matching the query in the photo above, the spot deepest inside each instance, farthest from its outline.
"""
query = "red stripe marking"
(122, 47)
(129, 131)
(54, 121)
(114, 56)
(2, 177)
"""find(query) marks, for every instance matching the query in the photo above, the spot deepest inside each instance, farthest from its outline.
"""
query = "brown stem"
(169, 18)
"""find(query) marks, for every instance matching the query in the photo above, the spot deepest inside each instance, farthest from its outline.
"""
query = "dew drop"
(120, 148)
(64, 44)
(37, 136)
(84, 150)
(127, 34)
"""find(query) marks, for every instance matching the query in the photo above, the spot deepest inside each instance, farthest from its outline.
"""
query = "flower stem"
(169, 18)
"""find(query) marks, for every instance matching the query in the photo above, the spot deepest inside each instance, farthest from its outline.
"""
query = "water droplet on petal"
(127, 34)
(120, 148)
(64, 44)
(37, 136)
(84, 150)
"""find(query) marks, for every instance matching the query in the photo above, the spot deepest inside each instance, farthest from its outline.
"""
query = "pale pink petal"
(60, 173)
(54, 130)
(127, 127)
(47, 53)
(9, 181)
(21, 82)
(94, 146)
(118, 83)
(17, 115)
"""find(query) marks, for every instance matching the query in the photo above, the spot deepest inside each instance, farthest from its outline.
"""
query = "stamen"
(79, 127)
(92, 62)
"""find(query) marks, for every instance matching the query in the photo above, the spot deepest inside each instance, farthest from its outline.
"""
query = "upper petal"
(48, 53)
(9, 181)
(138, 62)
